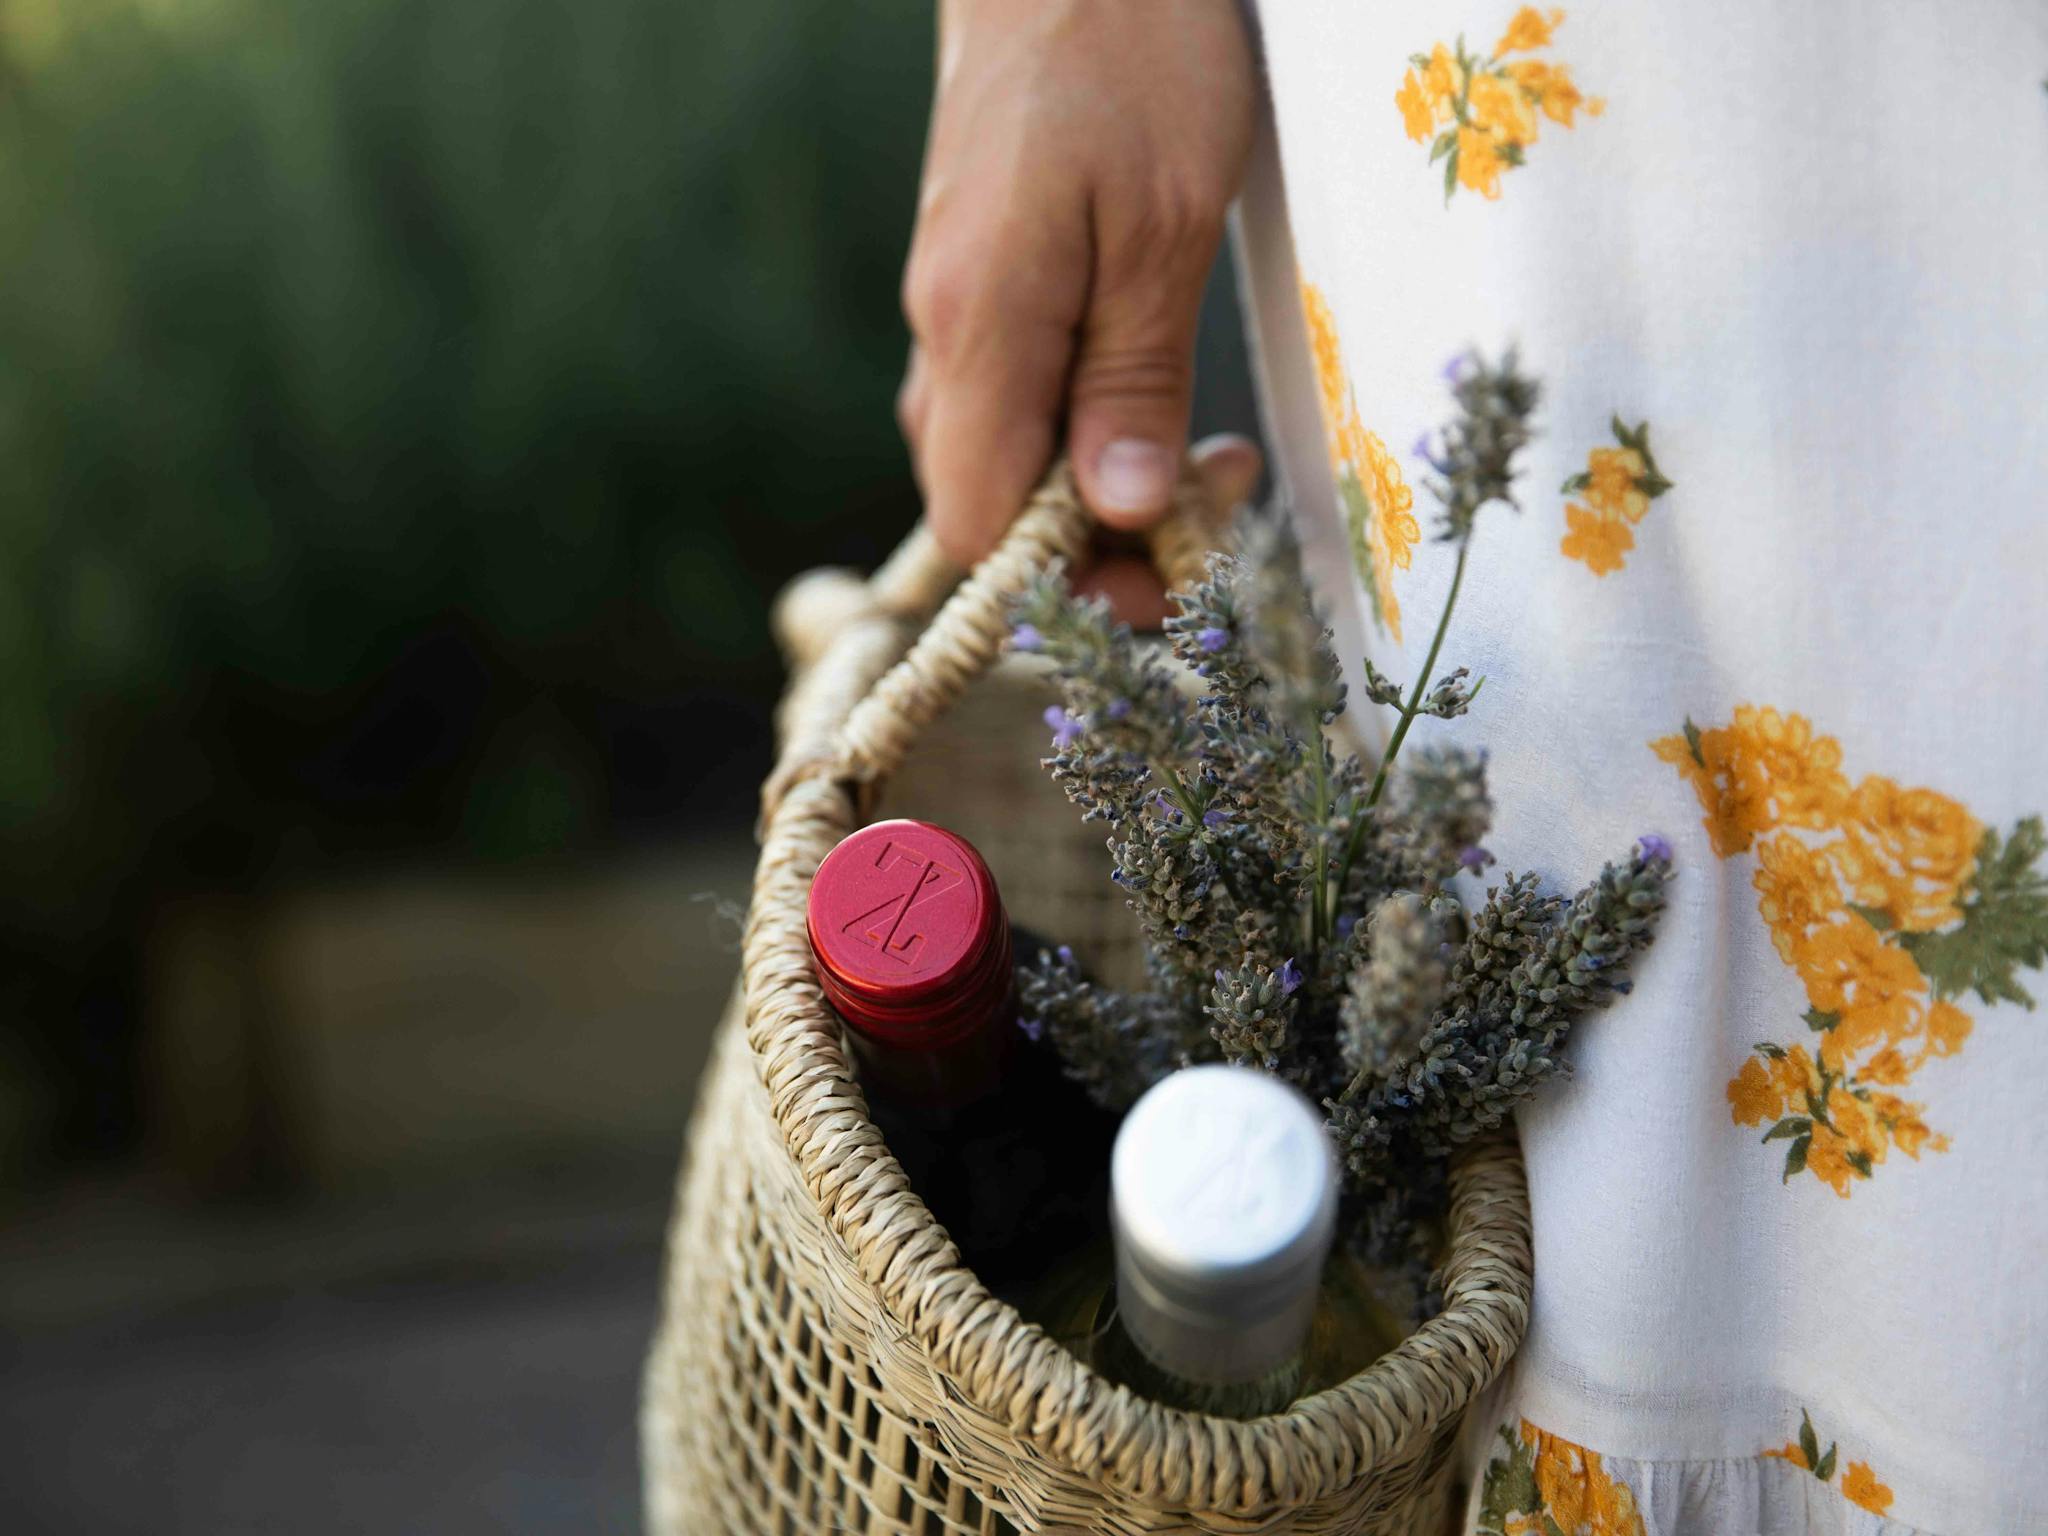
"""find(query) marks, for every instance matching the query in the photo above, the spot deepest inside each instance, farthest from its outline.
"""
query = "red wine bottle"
(916, 954)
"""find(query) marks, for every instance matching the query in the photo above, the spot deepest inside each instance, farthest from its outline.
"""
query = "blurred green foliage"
(407, 408)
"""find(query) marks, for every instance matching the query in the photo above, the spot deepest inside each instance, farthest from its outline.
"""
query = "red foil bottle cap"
(912, 944)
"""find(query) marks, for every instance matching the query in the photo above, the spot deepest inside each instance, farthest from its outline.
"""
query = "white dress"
(1778, 591)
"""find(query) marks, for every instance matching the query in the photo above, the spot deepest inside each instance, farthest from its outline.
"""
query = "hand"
(1082, 157)
(1121, 570)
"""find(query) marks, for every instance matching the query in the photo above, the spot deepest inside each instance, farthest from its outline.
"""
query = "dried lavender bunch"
(1301, 908)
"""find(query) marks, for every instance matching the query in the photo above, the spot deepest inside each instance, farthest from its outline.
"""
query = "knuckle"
(1179, 219)
(938, 294)
(1153, 372)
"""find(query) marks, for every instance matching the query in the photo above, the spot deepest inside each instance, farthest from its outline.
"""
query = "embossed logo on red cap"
(893, 925)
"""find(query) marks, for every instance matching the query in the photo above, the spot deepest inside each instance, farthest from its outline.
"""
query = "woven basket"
(824, 1362)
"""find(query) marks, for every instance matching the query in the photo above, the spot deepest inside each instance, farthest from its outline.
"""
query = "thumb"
(1133, 378)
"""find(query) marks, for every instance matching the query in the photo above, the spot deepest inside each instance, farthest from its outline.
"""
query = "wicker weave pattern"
(824, 1362)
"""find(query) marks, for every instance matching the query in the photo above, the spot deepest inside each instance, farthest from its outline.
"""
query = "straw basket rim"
(989, 1358)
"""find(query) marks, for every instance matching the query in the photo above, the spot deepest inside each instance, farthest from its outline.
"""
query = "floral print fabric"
(1773, 594)
(1377, 499)
(1858, 885)
(1480, 115)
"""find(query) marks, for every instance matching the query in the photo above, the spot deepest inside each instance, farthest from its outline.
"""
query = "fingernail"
(1133, 476)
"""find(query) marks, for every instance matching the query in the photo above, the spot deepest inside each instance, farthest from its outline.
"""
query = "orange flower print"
(1764, 770)
(1332, 386)
(1418, 115)
(1503, 111)
(1550, 87)
(1866, 989)
(1888, 904)
(1861, 1488)
(1905, 852)
(1540, 1484)
(1754, 1094)
(1859, 1485)
(1529, 30)
(1600, 542)
(1378, 502)
(1618, 484)
(1478, 162)
(1479, 115)
(1796, 891)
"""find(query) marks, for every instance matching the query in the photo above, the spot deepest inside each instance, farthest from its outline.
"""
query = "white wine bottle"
(1223, 1203)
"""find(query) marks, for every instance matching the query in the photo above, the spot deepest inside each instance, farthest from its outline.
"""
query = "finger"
(1134, 372)
(1229, 466)
(912, 399)
(1131, 583)
(987, 435)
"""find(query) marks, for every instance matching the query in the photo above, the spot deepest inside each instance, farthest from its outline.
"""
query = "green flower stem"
(1415, 696)
(1408, 712)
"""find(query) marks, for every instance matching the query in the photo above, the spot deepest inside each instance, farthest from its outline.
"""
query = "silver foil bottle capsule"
(1224, 1194)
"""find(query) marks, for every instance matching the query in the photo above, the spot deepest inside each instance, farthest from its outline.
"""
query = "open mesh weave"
(824, 1363)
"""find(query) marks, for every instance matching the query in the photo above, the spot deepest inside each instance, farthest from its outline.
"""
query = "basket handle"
(844, 627)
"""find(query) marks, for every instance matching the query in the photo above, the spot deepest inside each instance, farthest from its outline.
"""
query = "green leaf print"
(2005, 923)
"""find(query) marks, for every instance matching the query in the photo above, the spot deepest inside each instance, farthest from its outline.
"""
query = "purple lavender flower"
(1066, 728)
(1346, 921)
(1654, 848)
(1289, 976)
(1474, 858)
(1025, 637)
(1034, 1029)
(1214, 818)
(1454, 369)
(1116, 709)
(1212, 639)
(1420, 448)
(1066, 955)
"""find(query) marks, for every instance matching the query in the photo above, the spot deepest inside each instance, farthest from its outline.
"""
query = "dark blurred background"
(408, 409)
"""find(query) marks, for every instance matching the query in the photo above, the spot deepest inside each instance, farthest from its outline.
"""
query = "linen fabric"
(1777, 591)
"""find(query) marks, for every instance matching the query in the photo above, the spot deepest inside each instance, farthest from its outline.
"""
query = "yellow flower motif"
(1553, 90)
(1827, 1159)
(1579, 1494)
(1857, 1124)
(1873, 987)
(1495, 104)
(1844, 880)
(1444, 79)
(1417, 114)
(1598, 540)
(1907, 853)
(1801, 772)
(1384, 531)
(1766, 770)
(1946, 1029)
(1859, 1485)
(1503, 109)
(1331, 384)
(1395, 531)
(1902, 1122)
(1796, 891)
(1618, 485)
(1728, 787)
(1529, 29)
(1861, 1488)
(1479, 162)
(1754, 1094)
(1611, 486)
